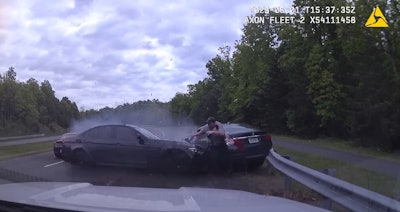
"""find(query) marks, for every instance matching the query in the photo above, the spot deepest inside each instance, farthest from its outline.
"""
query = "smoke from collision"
(152, 117)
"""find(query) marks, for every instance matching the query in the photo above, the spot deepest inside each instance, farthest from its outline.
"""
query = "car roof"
(109, 125)
(142, 130)
(103, 125)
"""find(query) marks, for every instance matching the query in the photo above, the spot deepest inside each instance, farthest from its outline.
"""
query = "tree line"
(30, 108)
(306, 79)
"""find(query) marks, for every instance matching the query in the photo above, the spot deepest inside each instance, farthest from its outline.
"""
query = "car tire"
(81, 158)
(58, 155)
(255, 163)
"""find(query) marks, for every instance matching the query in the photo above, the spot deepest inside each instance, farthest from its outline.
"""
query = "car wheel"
(58, 155)
(255, 163)
(81, 158)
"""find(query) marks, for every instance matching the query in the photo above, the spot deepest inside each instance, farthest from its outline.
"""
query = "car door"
(101, 144)
(129, 147)
(150, 146)
(88, 140)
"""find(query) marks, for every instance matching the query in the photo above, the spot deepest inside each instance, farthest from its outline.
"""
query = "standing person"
(212, 126)
(218, 154)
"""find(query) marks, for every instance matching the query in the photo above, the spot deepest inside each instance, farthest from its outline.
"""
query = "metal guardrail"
(20, 137)
(346, 194)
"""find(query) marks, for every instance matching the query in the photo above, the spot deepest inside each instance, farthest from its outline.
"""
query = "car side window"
(105, 135)
(91, 134)
(125, 134)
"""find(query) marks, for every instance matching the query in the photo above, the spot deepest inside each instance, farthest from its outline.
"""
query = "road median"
(12, 138)
(25, 149)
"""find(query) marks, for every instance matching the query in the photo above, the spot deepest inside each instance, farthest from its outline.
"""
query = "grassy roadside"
(345, 146)
(21, 149)
(371, 180)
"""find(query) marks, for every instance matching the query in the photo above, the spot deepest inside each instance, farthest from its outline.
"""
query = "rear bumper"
(243, 156)
(260, 152)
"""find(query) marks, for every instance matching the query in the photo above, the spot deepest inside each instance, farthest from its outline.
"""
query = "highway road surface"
(45, 167)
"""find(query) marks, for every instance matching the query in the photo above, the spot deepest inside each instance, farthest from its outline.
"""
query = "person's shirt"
(218, 127)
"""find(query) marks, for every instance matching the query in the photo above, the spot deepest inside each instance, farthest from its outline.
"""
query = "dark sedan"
(248, 146)
(128, 145)
(59, 144)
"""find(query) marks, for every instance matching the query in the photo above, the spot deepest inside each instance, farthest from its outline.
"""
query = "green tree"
(27, 108)
(220, 76)
(252, 62)
(180, 106)
(204, 98)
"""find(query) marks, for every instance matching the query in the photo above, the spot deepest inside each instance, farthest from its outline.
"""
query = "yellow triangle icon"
(376, 19)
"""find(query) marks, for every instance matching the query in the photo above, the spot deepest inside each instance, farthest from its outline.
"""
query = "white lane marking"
(52, 164)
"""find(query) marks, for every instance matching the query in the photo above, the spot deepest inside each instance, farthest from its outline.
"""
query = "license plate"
(253, 140)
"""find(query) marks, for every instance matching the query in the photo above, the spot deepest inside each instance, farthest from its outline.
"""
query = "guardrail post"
(287, 183)
(326, 202)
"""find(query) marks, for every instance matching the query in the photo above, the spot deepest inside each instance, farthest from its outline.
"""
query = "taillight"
(239, 144)
(268, 137)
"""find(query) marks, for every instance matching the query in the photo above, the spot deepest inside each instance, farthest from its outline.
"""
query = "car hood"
(88, 197)
(177, 141)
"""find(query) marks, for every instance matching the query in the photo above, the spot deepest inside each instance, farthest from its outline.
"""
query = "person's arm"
(220, 130)
(201, 131)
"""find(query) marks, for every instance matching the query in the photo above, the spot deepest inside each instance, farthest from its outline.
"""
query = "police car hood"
(88, 197)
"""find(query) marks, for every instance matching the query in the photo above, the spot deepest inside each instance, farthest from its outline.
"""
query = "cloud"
(104, 53)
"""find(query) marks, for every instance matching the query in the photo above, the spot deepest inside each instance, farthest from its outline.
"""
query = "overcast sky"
(105, 53)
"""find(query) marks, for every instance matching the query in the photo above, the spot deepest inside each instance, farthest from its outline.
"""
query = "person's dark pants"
(219, 159)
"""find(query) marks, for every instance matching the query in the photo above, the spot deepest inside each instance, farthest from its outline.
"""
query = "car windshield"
(147, 133)
(101, 98)
(234, 128)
